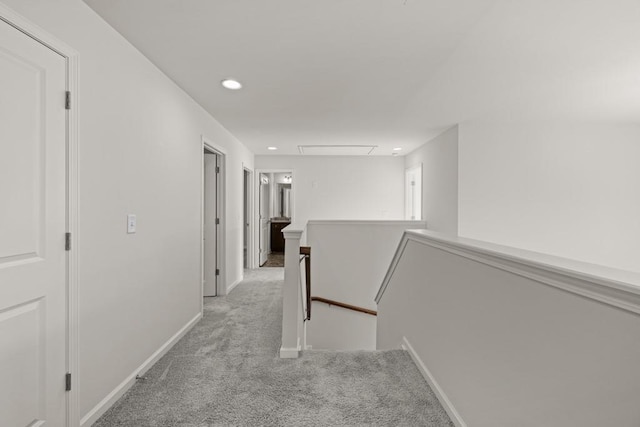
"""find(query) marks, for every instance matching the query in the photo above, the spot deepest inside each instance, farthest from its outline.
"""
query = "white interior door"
(210, 224)
(33, 328)
(264, 219)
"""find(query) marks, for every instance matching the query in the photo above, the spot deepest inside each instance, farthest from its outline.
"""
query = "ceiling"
(388, 73)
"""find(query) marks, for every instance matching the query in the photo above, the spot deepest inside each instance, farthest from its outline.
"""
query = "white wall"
(348, 262)
(568, 189)
(337, 187)
(439, 159)
(139, 152)
(507, 343)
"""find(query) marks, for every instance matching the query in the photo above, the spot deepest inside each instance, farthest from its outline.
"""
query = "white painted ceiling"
(389, 73)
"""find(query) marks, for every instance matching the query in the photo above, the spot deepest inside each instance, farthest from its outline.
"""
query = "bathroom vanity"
(277, 239)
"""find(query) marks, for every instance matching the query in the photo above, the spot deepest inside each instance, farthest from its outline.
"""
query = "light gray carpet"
(226, 372)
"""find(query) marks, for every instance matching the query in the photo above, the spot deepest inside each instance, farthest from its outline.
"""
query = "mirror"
(283, 200)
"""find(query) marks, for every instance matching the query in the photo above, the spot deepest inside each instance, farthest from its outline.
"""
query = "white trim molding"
(98, 410)
(250, 216)
(610, 286)
(221, 237)
(455, 417)
(413, 224)
(234, 284)
(292, 323)
(392, 267)
(293, 231)
(291, 353)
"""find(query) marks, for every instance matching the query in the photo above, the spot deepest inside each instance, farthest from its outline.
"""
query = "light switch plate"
(131, 223)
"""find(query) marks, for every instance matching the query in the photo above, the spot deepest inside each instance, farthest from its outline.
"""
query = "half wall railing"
(349, 261)
(508, 337)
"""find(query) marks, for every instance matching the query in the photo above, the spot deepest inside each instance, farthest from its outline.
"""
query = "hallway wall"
(439, 159)
(139, 152)
(562, 188)
(343, 187)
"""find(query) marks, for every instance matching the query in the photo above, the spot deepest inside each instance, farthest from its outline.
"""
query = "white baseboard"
(233, 285)
(442, 397)
(290, 353)
(97, 411)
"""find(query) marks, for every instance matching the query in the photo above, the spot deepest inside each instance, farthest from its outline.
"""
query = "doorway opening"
(246, 235)
(413, 193)
(275, 212)
(212, 221)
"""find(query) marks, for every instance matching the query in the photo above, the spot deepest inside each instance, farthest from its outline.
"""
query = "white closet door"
(33, 328)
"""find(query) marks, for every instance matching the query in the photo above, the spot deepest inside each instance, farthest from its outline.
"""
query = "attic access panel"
(336, 150)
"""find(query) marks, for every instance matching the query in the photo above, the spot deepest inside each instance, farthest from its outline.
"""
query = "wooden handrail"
(305, 251)
(345, 305)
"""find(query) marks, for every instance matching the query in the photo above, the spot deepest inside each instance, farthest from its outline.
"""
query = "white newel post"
(291, 309)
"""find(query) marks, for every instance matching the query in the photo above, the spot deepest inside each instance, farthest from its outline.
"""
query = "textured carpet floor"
(226, 372)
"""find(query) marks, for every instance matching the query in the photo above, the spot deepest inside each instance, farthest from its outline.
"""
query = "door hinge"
(67, 380)
(67, 241)
(217, 271)
(217, 221)
(217, 169)
(67, 100)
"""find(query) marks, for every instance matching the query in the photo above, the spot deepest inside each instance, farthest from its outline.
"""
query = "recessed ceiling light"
(272, 148)
(397, 149)
(231, 84)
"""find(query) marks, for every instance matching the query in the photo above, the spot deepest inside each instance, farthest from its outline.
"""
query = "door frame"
(211, 218)
(256, 204)
(221, 284)
(71, 57)
(249, 202)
